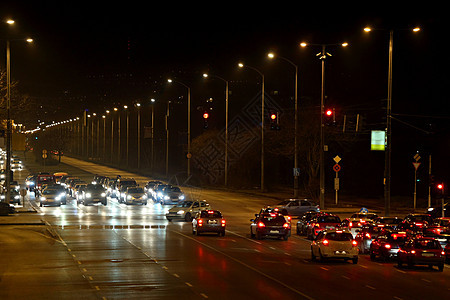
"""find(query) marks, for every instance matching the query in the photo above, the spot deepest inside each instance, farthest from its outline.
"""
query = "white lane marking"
(244, 237)
(203, 295)
(426, 280)
(345, 277)
(400, 271)
(247, 266)
(398, 298)
(362, 266)
(370, 287)
(188, 284)
(323, 268)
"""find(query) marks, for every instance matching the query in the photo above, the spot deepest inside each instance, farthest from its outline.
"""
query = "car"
(364, 216)
(122, 190)
(421, 251)
(77, 190)
(419, 220)
(43, 178)
(335, 244)
(387, 244)
(14, 196)
(157, 192)
(93, 193)
(122, 184)
(353, 225)
(59, 188)
(411, 229)
(30, 182)
(321, 222)
(447, 253)
(135, 195)
(365, 236)
(59, 175)
(208, 221)
(171, 195)
(185, 210)
(303, 222)
(150, 185)
(296, 207)
(6, 209)
(50, 196)
(387, 222)
(436, 211)
(270, 224)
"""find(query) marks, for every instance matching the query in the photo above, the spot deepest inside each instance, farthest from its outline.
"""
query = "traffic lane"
(371, 278)
(34, 265)
(118, 269)
(209, 270)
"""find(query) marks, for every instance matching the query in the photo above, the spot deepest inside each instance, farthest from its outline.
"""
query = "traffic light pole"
(8, 125)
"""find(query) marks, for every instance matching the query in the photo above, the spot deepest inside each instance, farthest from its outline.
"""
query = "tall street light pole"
(241, 65)
(388, 147)
(296, 128)
(226, 125)
(322, 56)
(152, 101)
(138, 106)
(188, 156)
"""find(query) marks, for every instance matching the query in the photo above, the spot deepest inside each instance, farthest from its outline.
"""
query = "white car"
(51, 197)
(185, 210)
(335, 244)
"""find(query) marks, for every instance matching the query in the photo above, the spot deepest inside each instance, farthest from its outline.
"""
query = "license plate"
(274, 231)
(212, 222)
(427, 254)
(340, 252)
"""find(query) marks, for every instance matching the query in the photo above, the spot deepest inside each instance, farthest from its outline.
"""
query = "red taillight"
(200, 222)
(419, 224)
(354, 243)
(210, 211)
(289, 218)
(413, 252)
(261, 224)
(443, 252)
(325, 242)
(223, 222)
(350, 224)
(368, 235)
(387, 246)
(286, 225)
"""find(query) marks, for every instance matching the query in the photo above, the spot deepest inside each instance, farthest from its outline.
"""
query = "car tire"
(258, 236)
(313, 257)
(252, 235)
(372, 256)
(441, 267)
(399, 263)
(321, 258)
(285, 237)
(40, 204)
(355, 260)
(104, 203)
(197, 233)
(222, 233)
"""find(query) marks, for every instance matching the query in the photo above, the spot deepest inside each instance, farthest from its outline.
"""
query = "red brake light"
(210, 211)
(223, 222)
(325, 242)
(368, 235)
(200, 222)
(387, 246)
(419, 224)
(413, 251)
(286, 225)
(289, 218)
(443, 253)
(354, 243)
(350, 224)
(261, 224)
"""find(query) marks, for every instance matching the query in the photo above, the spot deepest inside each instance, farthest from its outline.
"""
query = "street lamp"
(152, 101)
(8, 110)
(205, 75)
(322, 56)
(241, 65)
(296, 129)
(188, 126)
(388, 148)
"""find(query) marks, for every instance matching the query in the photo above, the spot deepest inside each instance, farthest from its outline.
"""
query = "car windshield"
(277, 220)
(422, 218)
(184, 204)
(426, 244)
(173, 189)
(94, 188)
(329, 219)
(128, 182)
(210, 214)
(135, 190)
(364, 216)
(339, 236)
(397, 237)
(389, 221)
(49, 192)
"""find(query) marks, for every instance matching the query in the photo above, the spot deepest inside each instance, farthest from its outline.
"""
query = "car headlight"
(16, 197)
(62, 195)
(57, 198)
(159, 194)
(88, 195)
(129, 197)
(103, 194)
(181, 197)
(43, 198)
(2, 196)
(166, 197)
(180, 212)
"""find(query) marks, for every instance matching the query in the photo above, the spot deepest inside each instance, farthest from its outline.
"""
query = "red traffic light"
(205, 115)
(273, 116)
(329, 112)
(440, 186)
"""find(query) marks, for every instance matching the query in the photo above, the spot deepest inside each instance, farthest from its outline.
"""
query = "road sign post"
(336, 169)
(416, 165)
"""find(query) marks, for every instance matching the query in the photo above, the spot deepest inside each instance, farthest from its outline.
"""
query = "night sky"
(76, 43)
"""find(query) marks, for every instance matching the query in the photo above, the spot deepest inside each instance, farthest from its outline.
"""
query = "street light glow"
(10, 22)
(240, 65)
(303, 44)
(271, 55)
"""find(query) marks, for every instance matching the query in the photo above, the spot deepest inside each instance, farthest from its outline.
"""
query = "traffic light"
(330, 116)
(431, 180)
(205, 119)
(274, 122)
(440, 186)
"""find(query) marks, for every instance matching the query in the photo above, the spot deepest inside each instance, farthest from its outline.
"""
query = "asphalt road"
(127, 252)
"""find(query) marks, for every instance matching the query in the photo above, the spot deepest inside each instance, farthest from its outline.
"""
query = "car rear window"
(427, 244)
(329, 219)
(337, 236)
(269, 220)
(210, 214)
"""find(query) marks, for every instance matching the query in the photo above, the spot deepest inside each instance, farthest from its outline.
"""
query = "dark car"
(320, 223)
(421, 251)
(303, 222)
(436, 211)
(6, 209)
(93, 193)
(420, 220)
(157, 192)
(272, 224)
(135, 195)
(150, 186)
(30, 182)
(386, 244)
(171, 195)
(208, 221)
(387, 222)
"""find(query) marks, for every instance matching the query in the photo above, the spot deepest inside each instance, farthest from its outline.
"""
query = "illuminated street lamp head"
(138, 104)
(344, 44)
(303, 44)
(240, 65)
(10, 22)
(29, 40)
(125, 106)
(152, 100)
(416, 29)
(205, 75)
(367, 29)
(271, 55)
(116, 109)
(169, 80)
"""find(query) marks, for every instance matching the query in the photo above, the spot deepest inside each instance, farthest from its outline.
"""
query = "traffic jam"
(416, 239)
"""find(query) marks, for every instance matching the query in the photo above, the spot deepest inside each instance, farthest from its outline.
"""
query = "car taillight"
(419, 224)
(325, 242)
(223, 222)
(368, 235)
(354, 243)
(261, 224)
(350, 224)
(443, 252)
(286, 225)
(387, 246)
(200, 222)
(413, 252)
(289, 218)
